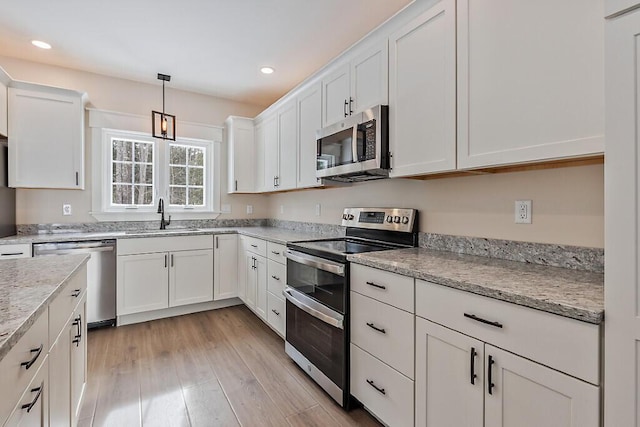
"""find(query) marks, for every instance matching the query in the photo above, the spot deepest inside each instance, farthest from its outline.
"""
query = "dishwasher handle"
(66, 248)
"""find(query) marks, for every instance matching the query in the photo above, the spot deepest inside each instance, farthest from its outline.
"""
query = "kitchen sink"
(168, 230)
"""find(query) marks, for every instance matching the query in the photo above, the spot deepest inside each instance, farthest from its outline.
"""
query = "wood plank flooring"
(217, 368)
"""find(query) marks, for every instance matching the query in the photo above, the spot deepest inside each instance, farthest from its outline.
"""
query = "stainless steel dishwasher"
(101, 276)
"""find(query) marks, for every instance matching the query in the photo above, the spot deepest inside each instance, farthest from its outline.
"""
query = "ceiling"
(214, 47)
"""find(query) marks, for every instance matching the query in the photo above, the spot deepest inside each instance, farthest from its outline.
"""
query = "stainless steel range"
(317, 291)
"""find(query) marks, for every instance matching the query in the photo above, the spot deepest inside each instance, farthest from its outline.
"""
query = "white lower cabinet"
(225, 266)
(33, 406)
(157, 273)
(260, 272)
(276, 313)
(276, 282)
(255, 268)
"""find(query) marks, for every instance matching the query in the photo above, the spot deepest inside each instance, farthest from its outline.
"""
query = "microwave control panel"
(367, 141)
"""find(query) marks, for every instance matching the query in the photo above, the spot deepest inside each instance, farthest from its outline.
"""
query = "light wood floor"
(217, 368)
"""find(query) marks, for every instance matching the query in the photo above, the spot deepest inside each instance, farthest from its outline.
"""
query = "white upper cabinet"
(260, 154)
(270, 154)
(242, 154)
(4, 83)
(353, 87)
(615, 7)
(288, 146)
(422, 93)
(530, 81)
(309, 121)
(46, 145)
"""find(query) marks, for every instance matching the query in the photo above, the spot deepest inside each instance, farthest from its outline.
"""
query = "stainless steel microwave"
(356, 148)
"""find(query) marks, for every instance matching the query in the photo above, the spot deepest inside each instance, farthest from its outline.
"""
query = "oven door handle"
(314, 308)
(316, 262)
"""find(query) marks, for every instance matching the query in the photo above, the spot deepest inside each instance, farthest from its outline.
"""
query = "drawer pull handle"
(275, 252)
(375, 285)
(30, 363)
(29, 406)
(276, 278)
(481, 320)
(372, 384)
(372, 326)
(76, 293)
(254, 246)
(473, 365)
(12, 254)
(277, 313)
(490, 383)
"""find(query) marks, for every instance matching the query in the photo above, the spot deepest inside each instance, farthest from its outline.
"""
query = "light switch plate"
(249, 209)
(66, 209)
(318, 209)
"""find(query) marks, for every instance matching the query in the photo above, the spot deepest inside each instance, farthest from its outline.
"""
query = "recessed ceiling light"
(41, 44)
(266, 70)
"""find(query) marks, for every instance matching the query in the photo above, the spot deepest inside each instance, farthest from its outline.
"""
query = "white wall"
(568, 204)
(108, 93)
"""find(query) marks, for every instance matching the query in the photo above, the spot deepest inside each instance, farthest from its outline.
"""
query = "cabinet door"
(252, 277)
(60, 377)
(190, 277)
(309, 121)
(240, 143)
(3, 108)
(422, 93)
(143, 283)
(242, 269)
(259, 157)
(335, 95)
(527, 94)
(288, 146)
(276, 313)
(78, 357)
(37, 395)
(369, 78)
(526, 394)
(271, 153)
(261, 286)
(446, 394)
(225, 266)
(46, 145)
(622, 166)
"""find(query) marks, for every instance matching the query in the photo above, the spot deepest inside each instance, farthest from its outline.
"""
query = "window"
(132, 171)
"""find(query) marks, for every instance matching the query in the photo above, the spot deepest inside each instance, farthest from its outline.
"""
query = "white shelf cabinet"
(360, 84)
(422, 93)
(528, 95)
(46, 145)
(309, 121)
(225, 266)
(240, 136)
(622, 165)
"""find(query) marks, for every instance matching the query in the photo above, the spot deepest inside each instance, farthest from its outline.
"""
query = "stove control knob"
(350, 217)
(389, 219)
(396, 219)
(344, 216)
(405, 220)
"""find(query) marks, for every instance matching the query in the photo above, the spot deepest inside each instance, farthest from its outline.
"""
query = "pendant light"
(163, 124)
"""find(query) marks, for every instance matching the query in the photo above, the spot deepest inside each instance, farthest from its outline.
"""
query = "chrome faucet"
(163, 223)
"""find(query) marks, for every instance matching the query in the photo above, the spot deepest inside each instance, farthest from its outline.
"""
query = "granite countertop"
(27, 286)
(273, 234)
(569, 293)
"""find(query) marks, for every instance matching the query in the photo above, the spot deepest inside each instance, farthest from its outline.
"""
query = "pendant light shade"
(163, 124)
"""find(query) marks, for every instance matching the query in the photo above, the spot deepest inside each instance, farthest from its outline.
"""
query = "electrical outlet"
(249, 209)
(523, 211)
(281, 209)
(318, 209)
(226, 208)
(66, 209)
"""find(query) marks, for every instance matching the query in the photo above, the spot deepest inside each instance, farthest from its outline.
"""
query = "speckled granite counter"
(273, 234)
(27, 286)
(570, 293)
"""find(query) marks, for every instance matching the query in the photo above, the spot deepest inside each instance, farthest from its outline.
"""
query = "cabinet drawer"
(275, 251)
(65, 303)
(164, 244)
(275, 313)
(384, 331)
(391, 400)
(20, 250)
(257, 246)
(35, 394)
(384, 286)
(561, 343)
(277, 277)
(11, 370)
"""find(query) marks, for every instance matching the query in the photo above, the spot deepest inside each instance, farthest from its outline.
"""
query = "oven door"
(316, 341)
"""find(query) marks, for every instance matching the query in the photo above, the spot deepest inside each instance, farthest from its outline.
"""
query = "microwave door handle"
(354, 145)
(314, 309)
(315, 262)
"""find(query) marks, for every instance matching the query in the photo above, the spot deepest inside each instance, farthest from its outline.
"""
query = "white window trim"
(103, 125)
